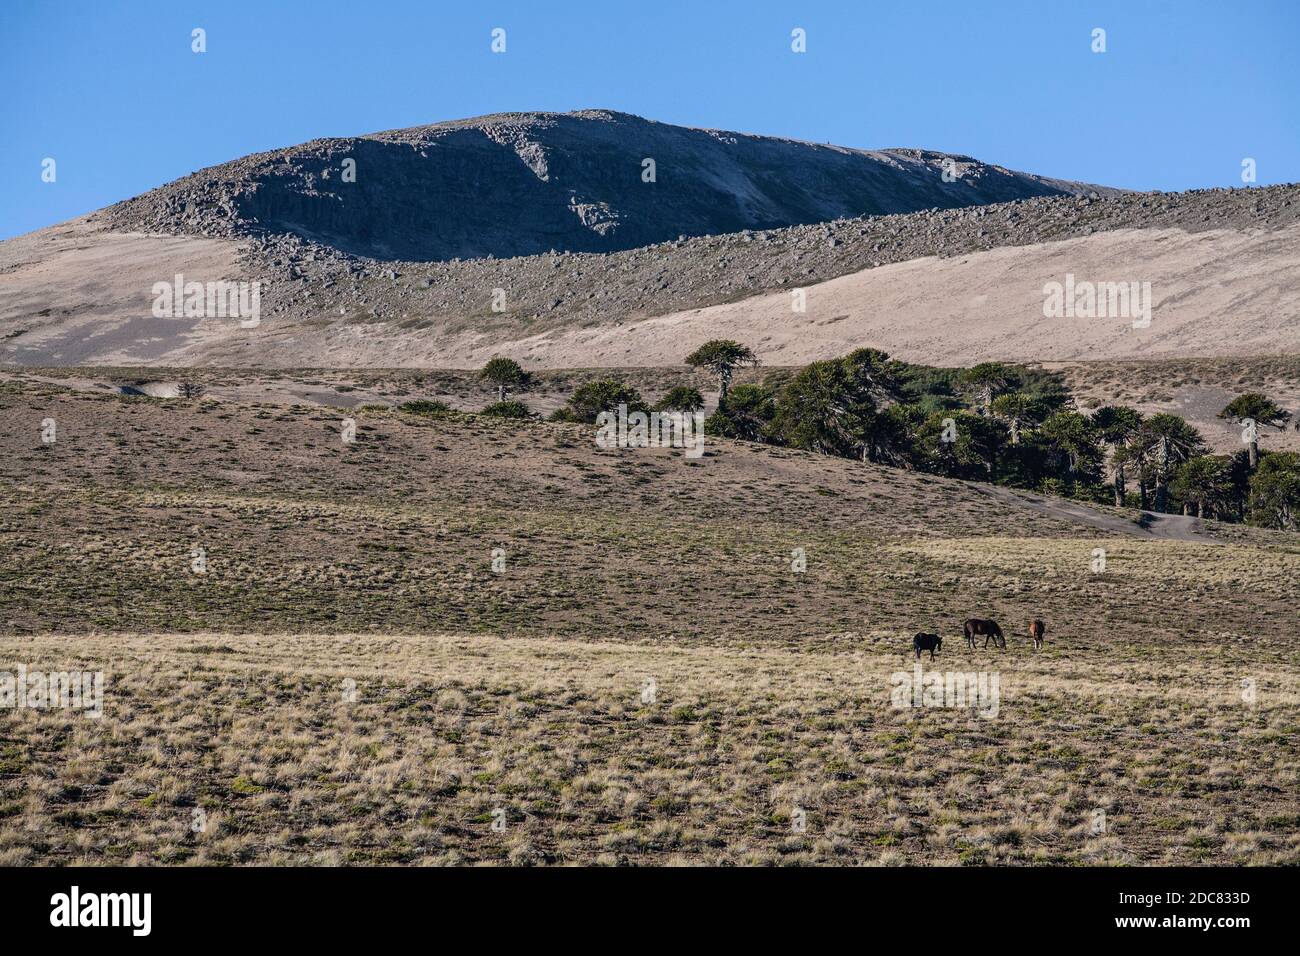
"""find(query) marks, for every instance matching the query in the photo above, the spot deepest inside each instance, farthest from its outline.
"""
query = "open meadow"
(459, 639)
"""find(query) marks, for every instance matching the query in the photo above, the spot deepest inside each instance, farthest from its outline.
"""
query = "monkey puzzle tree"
(1203, 481)
(869, 379)
(1017, 410)
(505, 374)
(683, 398)
(604, 395)
(960, 445)
(1237, 474)
(1250, 411)
(887, 435)
(988, 380)
(835, 407)
(1075, 440)
(722, 357)
(745, 413)
(1165, 442)
(1116, 425)
(813, 410)
(872, 374)
(1275, 491)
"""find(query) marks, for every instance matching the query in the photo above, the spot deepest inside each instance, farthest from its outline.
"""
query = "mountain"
(517, 184)
(943, 284)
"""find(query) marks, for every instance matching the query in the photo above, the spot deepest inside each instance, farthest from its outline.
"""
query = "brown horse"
(927, 642)
(1036, 631)
(975, 626)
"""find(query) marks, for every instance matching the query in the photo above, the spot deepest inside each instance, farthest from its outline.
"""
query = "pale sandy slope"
(71, 296)
(1214, 294)
(74, 294)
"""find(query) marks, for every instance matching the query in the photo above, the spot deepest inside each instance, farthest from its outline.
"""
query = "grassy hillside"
(367, 567)
(1100, 757)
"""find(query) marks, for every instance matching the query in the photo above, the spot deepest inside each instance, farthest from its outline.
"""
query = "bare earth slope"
(937, 286)
(77, 293)
(1213, 294)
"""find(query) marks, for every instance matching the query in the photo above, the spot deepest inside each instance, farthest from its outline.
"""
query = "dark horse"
(1036, 631)
(975, 626)
(927, 642)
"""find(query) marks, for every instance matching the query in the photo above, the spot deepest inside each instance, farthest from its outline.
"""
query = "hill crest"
(516, 184)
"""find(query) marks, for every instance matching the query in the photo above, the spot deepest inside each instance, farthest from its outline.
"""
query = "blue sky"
(111, 90)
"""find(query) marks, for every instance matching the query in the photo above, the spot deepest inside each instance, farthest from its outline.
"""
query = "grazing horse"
(975, 626)
(1036, 631)
(927, 642)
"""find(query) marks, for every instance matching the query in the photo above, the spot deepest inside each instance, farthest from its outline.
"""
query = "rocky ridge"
(519, 184)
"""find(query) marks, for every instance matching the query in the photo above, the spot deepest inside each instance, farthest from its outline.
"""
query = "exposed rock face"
(518, 184)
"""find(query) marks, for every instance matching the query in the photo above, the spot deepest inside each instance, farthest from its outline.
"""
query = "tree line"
(996, 422)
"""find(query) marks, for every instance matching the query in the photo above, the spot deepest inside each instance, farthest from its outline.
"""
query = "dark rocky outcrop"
(520, 184)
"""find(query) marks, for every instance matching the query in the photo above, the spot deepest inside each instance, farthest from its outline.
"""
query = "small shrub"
(507, 409)
(605, 395)
(683, 398)
(426, 407)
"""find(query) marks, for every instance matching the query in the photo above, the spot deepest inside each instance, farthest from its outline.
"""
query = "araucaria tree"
(1015, 409)
(960, 445)
(1251, 411)
(1009, 425)
(1116, 425)
(1166, 441)
(1075, 441)
(812, 410)
(1203, 485)
(505, 374)
(602, 395)
(1275, 491)
(683, 398)
(745, 413)
(987, 381)
(722, 357)
(836, 407)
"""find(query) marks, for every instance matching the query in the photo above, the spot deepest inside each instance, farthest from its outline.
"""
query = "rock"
(416, 203)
